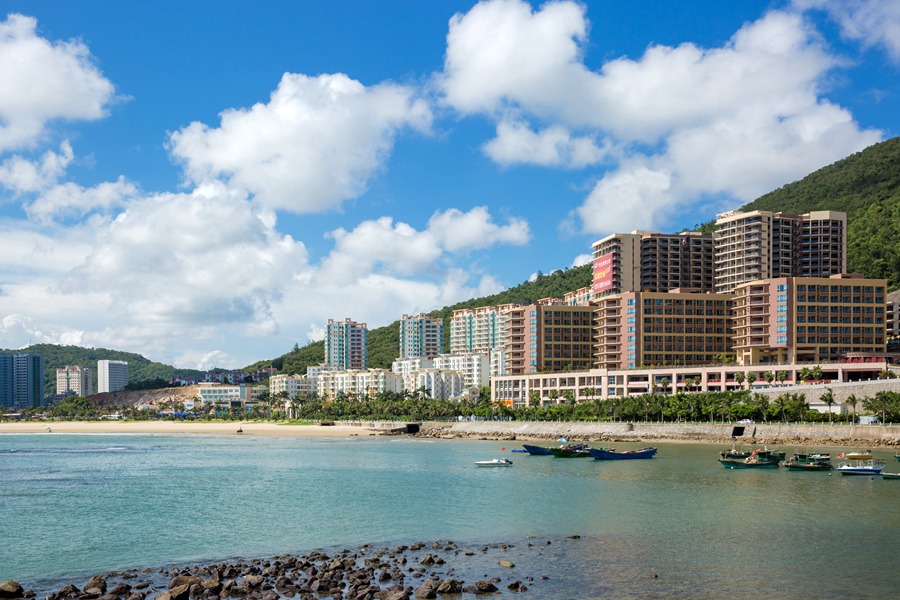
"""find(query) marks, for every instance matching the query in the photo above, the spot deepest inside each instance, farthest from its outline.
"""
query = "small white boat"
(862, 467)
(496, 462)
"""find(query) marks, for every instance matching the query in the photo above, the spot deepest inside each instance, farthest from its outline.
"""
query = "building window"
(782, 287)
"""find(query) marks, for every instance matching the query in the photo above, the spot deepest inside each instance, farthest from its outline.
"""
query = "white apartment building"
(112, 375)
(76, 380)
(357, 384)
(440, 384)
(474, 368)
(292, 385)
(407, 368)
(224, 395)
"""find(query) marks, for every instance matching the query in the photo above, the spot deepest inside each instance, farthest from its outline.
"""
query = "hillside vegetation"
(866, 186)
(140, 369)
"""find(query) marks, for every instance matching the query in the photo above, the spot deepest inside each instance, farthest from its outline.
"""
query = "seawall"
(762, 433)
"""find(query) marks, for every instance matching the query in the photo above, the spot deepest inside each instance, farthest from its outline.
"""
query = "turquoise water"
(75, 505)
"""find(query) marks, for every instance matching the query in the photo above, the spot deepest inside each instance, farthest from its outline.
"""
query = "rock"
(11, 589)
(120, 589)
(95, 584)
(428, 560)
(180, 592)
(136, 596)
(507, 564)
(180, 580)
(450, 586)
(428, 589)
(485, 587)
(253, 581)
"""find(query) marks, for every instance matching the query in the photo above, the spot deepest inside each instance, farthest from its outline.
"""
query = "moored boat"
(808, 462)
(890, 475)
(610, 454)
(495, 462)
(536, 450)
(571, 451)
(756, 460)
(857, 455)
(862, 467)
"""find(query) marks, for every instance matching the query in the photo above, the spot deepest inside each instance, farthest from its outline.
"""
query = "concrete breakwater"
(762, 433)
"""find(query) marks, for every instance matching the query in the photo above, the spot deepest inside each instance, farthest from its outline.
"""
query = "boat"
(494, 462)
(808, 462)
(756, 460)
(860, 455)
(890, 475)
(862, 467)
(611, 454)
(761, 452)
(536, 450)
(571, 451)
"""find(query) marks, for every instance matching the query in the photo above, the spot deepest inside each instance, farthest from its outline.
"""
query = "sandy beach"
(185, 427)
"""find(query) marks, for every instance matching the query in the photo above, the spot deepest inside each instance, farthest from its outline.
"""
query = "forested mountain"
(384, 342)
(866, 186)
(140, 369)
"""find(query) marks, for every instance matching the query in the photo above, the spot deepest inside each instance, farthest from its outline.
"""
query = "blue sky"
(206, 183)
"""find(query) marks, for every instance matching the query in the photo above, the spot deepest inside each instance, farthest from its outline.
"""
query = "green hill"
(384, 342)
(866, 186)
(140, 369)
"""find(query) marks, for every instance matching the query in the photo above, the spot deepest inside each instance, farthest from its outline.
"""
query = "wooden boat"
(761, 452)
(536, 450)
(808, 462)
(610, 454)
(862, 467)
(495, 462)
(754, 461)
(571, 451)
(890, 475)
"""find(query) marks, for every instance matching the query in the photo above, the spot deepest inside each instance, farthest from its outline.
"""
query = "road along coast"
(820, 434)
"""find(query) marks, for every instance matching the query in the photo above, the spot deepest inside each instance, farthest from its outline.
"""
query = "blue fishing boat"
(610, 454)
(862, 467)
(536, 450)
(757, 460)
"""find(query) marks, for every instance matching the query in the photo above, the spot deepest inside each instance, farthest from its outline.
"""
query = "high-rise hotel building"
(347, 344)
(650, 261)
(789, 320)
(112, 375)
(21, 380)
(421, 336)
(76, 380)
(549, 336)
(763, 245)
(637, 329)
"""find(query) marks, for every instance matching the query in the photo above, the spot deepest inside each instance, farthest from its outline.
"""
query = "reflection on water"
(75, 505)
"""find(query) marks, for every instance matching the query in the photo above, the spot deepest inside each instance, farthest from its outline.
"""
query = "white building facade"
(112, 375)
(76, 380)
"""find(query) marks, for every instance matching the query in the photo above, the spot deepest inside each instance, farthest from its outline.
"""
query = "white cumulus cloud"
(42, 81)
(870, 22)
(316, 143)
(687, 122)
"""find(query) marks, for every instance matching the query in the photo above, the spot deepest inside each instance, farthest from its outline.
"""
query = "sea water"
(678, 525)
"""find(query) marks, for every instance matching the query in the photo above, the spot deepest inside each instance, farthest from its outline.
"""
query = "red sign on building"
(603, 273)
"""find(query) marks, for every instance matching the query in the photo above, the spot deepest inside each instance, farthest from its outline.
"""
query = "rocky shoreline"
(886, 437)
(419, 570)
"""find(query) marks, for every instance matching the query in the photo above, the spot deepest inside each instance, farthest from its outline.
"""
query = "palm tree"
(769, 376)
(751, 377)
(781, 376)
(664, 384)
(851, 403)
(740, 378)
(828, 398)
